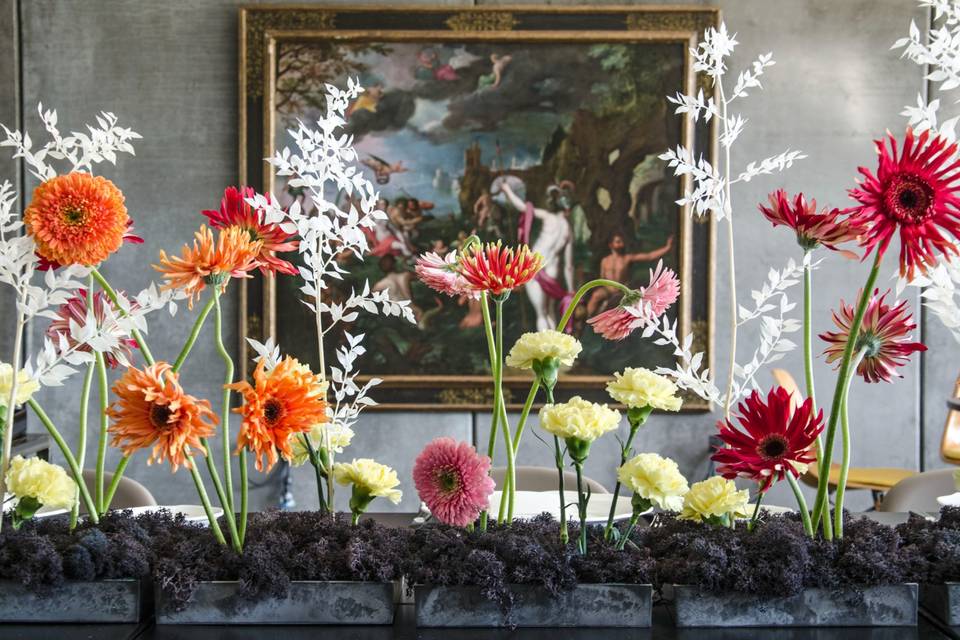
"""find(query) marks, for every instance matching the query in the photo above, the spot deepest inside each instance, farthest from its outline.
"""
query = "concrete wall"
(169, 71)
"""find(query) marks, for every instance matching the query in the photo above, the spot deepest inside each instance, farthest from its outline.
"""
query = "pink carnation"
(640, 307)
(440, 274)
(453, 480)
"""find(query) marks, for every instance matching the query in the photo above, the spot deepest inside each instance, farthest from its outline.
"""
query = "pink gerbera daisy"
(440, 273)
(453, 480)
(639, 307)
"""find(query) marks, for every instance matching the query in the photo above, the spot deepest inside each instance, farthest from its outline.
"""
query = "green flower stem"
(144, 349)
(82, 439)
(225, 411)
(104, 390)
(626, 534)
(92, 512)
(625, 452)
(582, 291)
(318, 471)
(756, 511)
(808, 367)
(355, 518)
(844, 371)
(558, 454)
(507, 440)
(845, 462)
(115, 482)
(205, 500)
(582, 507)
(495, 416)
(230, 516)
(194, 333)
(244, 497)
(802, 505)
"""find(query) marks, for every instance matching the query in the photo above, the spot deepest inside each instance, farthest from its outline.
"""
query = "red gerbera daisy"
(497, 270)
(826, 228)
(235, 212)
(913, 192)
(884, 338)
(776, 439)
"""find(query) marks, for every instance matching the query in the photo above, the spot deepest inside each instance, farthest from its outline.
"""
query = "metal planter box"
(97, 601)
(942, 601)
(886, 606)
(308, 602)
(587, 605)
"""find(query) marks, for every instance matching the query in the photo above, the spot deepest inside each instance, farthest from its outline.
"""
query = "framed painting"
(471, 120)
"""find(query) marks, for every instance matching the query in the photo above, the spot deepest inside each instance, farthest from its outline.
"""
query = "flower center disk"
(772, 447)
(160, 416)
(909, 199)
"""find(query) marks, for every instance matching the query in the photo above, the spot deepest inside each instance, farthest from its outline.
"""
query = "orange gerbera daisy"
(234, 254)
(152, 409)
(287, 399)
(76, 219)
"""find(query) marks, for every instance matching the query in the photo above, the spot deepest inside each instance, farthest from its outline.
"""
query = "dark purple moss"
(527, 552)
(776, 558)
(44, 552)
(280, 547)
(931, 550)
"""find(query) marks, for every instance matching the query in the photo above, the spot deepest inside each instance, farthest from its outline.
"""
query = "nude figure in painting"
(555, 244)
(616, 267)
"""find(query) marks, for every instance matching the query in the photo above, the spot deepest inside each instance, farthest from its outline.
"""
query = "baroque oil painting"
(553, 143)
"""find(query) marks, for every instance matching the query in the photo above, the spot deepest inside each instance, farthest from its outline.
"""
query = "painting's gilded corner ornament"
(258, 22)
(482, 21)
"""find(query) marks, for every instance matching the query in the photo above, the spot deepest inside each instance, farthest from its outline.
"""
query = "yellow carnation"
(713, 498)
(46, 483)
(369, 478)
(542, 345)
(639, 388)
(579, 419)
(26, 386)
(655, 479)
(340, 437)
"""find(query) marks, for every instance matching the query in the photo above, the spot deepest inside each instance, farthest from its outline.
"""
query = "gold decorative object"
(482, 21)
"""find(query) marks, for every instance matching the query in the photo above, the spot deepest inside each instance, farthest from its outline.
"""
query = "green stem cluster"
(636, 418)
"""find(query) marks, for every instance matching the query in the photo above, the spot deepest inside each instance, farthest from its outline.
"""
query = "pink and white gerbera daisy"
(640, 307)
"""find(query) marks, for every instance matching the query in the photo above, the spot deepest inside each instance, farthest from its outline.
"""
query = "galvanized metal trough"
(883, 606)
(308, 603)
(96, 601)
(586, 605)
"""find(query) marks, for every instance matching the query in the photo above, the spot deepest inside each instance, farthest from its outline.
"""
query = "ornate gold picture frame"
(566, 103)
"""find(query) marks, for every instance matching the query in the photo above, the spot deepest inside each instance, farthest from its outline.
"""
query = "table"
(405, 629)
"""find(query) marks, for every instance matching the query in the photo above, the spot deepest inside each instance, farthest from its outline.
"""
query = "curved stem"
(71, 461)
(844, 371)
(144, 349)
(194, 333)
(535, 385)
(102, 436)
(205, 500)
(115, 482)
(801, 504)
(225, 411)
(82, 438)
(845, 461)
